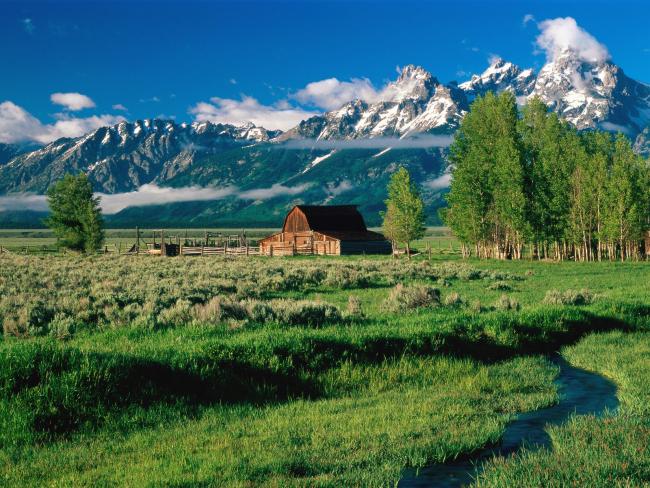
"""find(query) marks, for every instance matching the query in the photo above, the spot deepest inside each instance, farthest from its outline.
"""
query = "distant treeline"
(528, 182)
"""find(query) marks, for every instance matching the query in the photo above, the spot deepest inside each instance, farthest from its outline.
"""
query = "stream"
(581, 393)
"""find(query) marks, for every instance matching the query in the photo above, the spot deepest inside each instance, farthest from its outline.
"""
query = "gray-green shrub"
(402, 298)
(507, 303)
(568, 297)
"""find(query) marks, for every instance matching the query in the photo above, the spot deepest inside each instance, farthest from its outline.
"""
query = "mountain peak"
(414, 83)
(500, 75)
(411, 71)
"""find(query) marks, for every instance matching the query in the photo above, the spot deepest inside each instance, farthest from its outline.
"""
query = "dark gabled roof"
(340, 218)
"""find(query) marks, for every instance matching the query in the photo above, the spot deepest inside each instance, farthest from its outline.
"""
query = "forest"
(527, 183)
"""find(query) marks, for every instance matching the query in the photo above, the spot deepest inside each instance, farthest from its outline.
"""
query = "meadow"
(312, 371)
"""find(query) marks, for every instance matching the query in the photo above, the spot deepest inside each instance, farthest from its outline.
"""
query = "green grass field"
(312, 371)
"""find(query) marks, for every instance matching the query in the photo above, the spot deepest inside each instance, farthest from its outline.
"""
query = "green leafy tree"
(75, 216)
(404, 215)
(487, 203)
(624, 220)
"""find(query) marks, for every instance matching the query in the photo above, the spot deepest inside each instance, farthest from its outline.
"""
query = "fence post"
(271, 253)
(163, 246)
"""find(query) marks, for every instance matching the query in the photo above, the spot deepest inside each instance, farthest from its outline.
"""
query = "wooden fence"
(290, 249)
(219, 251)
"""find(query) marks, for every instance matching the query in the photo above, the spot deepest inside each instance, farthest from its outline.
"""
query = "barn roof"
(339, 218)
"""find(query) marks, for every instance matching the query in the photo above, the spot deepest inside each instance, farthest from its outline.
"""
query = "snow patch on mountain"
(317, 161)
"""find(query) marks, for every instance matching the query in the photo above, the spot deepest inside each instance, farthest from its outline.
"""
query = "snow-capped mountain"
(500, 75)
(587, 95)
(590, 95)
(124, 156)
(416, 102)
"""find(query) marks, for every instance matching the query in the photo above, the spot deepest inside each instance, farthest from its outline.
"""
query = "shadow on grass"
(56, 387)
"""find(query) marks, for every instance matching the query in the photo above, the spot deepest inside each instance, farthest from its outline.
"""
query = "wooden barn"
(327, 229)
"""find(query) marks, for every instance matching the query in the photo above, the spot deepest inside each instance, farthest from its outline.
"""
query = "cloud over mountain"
(331, 93)
(18, 125)
(558, 35)
(229, 111)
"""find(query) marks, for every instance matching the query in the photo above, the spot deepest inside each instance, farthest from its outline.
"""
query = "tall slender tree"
(404, 215)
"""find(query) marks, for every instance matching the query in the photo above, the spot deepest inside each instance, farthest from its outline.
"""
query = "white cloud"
(610, 126)
(23, 201)
(493, 58)
(560, 34)
(528, 18)
(72, 101)
(440, 182)
(248, 109)
(272, 192)
(16, 125)
(119, 106)
(421, 141)
(232, 81)
(342, 187)
(154, 195)
(331, 93)
(29, 26)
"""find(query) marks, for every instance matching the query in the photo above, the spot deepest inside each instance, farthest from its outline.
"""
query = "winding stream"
(581, 392)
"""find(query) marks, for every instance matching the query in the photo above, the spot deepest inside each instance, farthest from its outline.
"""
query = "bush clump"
(354, 306)
(219, 310)
(454, 300)
(500, 286)
(507, 303)
(305, 312)
(568, 297)
(402, 298)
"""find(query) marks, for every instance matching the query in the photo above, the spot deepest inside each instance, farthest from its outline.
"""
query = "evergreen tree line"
(528, 183)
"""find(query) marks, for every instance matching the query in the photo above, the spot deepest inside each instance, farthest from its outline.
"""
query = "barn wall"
(301, 242)
(365, 247)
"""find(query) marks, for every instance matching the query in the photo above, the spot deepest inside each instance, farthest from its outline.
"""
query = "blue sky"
(107, 59)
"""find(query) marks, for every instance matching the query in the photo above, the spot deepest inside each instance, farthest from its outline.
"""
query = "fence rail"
(216, 251)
